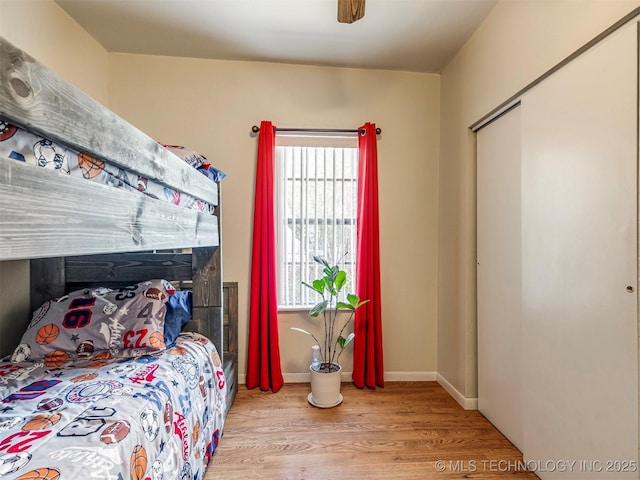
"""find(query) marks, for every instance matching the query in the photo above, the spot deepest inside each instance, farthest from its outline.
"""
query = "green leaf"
(341, 279)
(362, 303)
(344, 306)
(350, 338)
(301, 330)
(353, 299)
(318, 286)
(331, 272)
(355, 302)
(318, 308)
(343, 342)
(321, 261)
(330, 288)
(312, 287)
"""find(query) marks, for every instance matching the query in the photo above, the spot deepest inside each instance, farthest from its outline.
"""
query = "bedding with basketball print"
(125, 322)
(154, 417)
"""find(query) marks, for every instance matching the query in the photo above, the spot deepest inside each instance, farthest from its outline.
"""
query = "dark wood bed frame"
(104, 236)
(215, 305)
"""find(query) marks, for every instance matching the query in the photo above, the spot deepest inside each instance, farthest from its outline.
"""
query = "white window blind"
(317, 192)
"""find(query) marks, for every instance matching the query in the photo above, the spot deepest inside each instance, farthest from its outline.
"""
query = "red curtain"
(368, 368)
(263, 358)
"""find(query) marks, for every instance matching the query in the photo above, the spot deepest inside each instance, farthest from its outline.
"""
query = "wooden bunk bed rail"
(38, 100)
(47, 214)
(60, 218)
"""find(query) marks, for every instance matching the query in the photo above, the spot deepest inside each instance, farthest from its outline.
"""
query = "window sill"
(294, 309)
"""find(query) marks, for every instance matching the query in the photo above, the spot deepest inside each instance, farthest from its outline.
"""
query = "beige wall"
(518, 41)
(47, 33)
(211, 106)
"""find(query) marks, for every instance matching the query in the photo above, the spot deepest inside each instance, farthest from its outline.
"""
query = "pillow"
(126, 322)
(212, 172)
(192, 157)
(197, 161)
(178, 315)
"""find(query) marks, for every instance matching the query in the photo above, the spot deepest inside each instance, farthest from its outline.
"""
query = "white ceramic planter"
(325, 388)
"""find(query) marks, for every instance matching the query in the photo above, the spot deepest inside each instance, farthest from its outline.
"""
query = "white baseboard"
(466, 403)
(296, 378)
(346, 377)
(410, 376)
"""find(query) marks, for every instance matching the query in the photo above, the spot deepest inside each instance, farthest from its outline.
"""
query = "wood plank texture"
(230, 338)
(47, 278)
(60, 220)
(33, 97)
(207, 279)
(230, 318)
(127, 268)
(400, 431)
(208, 322)
(231, 374)
(207, 295)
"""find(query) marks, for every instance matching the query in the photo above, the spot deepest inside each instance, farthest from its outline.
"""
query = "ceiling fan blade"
(350, 10)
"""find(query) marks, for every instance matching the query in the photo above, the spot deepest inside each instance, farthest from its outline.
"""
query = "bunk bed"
(129, 400)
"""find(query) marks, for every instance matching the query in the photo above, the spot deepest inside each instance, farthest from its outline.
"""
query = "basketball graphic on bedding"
(57, 358)
(89, 166)
(156, 340)
(47, 334)
(42, 421)
(102, 356)
(41, 474)
(84, 377)
(138, 463)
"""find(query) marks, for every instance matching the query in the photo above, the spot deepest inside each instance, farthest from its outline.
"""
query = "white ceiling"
(411, 35)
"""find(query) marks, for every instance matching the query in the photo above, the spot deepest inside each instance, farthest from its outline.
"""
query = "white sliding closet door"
(499, 303)
(579, 263)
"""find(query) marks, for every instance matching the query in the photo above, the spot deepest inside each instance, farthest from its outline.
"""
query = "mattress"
(155, 417)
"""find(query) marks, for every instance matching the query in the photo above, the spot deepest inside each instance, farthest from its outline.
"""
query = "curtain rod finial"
(255, 129)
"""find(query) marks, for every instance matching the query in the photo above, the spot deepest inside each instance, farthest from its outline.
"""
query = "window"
(317, 188)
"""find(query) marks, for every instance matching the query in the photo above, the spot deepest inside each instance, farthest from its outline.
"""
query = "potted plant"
(326, 376)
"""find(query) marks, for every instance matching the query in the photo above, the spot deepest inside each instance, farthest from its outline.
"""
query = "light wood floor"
(406, 430)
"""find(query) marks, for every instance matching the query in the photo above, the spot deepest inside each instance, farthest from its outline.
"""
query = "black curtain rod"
(256, 129)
